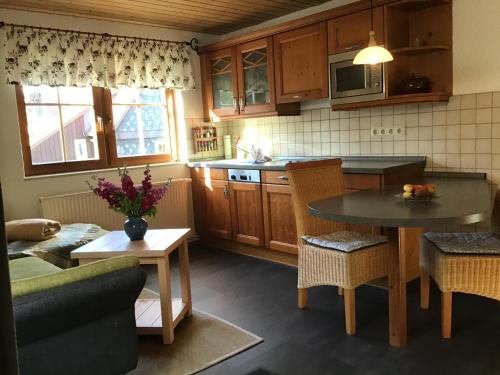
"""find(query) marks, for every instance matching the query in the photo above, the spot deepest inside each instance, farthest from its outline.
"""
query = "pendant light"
(372, 54)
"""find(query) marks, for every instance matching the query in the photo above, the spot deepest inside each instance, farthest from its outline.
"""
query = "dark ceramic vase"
(135, 228)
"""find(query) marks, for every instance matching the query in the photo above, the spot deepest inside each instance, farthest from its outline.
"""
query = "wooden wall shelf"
(411, 51)
(395, 100)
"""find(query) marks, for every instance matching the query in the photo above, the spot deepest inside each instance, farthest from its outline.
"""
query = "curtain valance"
(54, 58)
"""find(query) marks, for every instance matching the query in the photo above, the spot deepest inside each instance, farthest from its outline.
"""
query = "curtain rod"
(193, 43)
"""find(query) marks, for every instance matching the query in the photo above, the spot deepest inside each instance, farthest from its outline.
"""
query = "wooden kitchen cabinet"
(246, 213)
(301, 64)
(220, 82)
(239, 82)
(255, 76)
(350, 32)
(217, 215)
(280, 230)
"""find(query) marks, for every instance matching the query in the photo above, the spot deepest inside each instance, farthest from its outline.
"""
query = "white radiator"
(174, 210)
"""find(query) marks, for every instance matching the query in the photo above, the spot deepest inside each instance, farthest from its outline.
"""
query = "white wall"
(20, 194)
(476, 46)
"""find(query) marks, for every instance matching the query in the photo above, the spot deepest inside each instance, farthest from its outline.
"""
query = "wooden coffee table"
(153, 316)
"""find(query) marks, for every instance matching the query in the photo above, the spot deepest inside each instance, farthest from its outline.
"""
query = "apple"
(407, 195)
(431, 188)
(421, 191)
(408, 188)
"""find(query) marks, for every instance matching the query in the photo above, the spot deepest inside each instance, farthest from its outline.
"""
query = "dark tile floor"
(260, 296)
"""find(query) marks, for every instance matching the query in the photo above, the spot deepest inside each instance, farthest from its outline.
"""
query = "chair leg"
(341, 291)
(424, 288)
(350, 311)
(302, 298)
(446, 308)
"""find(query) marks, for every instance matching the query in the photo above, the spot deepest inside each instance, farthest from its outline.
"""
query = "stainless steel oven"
(351, 83)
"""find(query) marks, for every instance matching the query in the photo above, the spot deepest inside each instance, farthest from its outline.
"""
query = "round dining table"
(458, 201)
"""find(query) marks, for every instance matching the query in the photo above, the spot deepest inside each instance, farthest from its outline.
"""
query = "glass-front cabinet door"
(222, 89)
(255, 76)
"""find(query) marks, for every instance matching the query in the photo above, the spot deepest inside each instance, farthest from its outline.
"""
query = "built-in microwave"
(351, 83)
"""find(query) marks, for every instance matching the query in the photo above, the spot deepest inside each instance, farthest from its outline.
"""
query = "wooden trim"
(106, 141)
(109, 130)
(62, 167)
(294, 24)
(313, 164)
(395, 100)
(254, 251)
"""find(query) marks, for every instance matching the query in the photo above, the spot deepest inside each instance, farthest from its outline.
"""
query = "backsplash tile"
(461, 135)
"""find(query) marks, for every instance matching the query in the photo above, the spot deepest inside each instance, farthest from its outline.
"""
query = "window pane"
(76, 95)
(44, 134)
(80, 135)
(40, 94)
(141, 130)
(127, 95)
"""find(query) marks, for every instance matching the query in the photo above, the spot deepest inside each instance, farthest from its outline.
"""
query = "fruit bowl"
(419, 193)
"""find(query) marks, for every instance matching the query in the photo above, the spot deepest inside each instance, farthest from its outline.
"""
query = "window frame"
(106, 141)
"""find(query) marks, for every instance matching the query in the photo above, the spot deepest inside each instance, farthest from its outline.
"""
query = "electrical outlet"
(375, 132)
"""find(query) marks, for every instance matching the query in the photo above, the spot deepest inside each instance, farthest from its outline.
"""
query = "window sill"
(96, 171)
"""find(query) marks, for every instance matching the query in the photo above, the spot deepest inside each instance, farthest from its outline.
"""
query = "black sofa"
(82, 327)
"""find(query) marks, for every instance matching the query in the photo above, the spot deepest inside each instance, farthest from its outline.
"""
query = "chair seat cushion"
(466, 243)
(345, 241)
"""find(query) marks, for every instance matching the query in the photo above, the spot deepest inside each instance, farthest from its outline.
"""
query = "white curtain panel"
(40, 57)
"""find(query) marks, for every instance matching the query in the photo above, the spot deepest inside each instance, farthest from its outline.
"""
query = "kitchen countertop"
(350, 164)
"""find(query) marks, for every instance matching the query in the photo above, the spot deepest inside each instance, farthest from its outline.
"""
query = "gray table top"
(459, 201)
(350, 164)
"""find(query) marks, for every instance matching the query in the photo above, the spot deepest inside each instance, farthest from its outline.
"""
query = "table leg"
(184, 276)
(409, 238)
(166, 300)
(397, 290)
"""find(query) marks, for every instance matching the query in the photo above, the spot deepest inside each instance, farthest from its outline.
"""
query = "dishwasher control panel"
(244, 175)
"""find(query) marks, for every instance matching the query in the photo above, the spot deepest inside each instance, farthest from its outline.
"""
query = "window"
(71, 128)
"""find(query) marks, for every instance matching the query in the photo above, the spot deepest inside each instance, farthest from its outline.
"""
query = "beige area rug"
(200, 341)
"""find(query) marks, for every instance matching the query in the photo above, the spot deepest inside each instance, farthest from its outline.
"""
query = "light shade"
(372, 54)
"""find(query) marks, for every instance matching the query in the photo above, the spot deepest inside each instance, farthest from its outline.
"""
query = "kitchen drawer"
(213, 173)
(362, 181)
(274, 177)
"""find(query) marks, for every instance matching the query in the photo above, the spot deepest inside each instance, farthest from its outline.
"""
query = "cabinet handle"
(226, 192)
(235, 104)
(297, 96)
(242, 104)
(284, 178)
(350, 48)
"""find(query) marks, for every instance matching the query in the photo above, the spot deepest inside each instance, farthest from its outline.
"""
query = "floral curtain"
(41, 57)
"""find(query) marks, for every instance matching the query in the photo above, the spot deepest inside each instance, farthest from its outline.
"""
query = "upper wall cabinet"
(350, 32)
(255, 76)
(220, 79)
(239, 82)
(301, 63)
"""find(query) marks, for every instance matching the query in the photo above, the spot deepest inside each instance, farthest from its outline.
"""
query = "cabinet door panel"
(220, 83)
(256, 76)
(280, 230)
(246, 212)
(350, 32)
(301, 64)
(217, 209)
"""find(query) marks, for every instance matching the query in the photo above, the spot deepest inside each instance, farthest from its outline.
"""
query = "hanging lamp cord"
(371, 13)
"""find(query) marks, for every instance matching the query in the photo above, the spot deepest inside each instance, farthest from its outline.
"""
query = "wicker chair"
(319, 265)
(461, 262)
